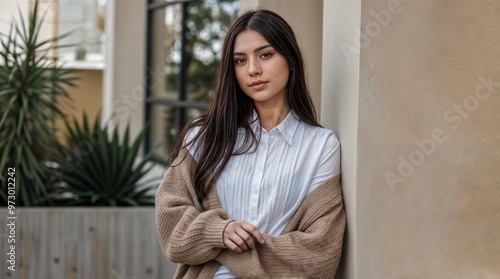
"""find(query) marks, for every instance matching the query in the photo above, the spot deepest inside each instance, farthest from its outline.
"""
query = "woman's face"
(261, 71)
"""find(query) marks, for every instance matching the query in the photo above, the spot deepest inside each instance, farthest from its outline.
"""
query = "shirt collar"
(286, 128)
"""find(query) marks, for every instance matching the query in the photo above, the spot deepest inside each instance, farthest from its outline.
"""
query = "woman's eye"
(239, 61)
(266, 55)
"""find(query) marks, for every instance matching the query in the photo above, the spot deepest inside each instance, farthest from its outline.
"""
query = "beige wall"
(306, 20)
(339, 102)
(124, 93)
(86, 97)
(426, 163)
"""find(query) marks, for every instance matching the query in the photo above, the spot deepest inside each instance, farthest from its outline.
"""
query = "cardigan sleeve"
(186, 233)
(310, 246)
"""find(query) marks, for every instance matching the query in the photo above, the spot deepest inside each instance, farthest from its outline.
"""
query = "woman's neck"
(271, 117)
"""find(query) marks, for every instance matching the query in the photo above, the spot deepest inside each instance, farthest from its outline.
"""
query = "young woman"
(254, 188)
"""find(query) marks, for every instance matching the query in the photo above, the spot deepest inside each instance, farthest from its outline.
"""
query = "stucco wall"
(86, 97)
(427, 198)
(339, 108)
(124, 88)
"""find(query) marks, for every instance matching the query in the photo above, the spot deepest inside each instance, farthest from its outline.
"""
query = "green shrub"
(31, 86)
(99, 169)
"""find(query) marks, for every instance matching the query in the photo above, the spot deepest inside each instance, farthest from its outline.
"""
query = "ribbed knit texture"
(310, 246)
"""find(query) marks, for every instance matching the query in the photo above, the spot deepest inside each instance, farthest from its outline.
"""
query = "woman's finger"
(231, 239)
(238, 240)
(231, 245)
(253, 231)
(239, 236)
(246, 237)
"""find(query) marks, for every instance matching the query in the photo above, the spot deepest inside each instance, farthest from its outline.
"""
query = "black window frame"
(182, 103)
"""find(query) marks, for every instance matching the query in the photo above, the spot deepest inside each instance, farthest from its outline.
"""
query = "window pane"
(165, 47)
(84, 19)
(207, 24)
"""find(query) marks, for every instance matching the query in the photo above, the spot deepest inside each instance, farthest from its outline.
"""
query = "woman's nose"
(254, 68)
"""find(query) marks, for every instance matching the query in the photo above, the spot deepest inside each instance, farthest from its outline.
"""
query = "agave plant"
(98, 168)
(31, 86)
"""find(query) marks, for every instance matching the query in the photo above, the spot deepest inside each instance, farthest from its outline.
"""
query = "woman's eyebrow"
(255, 50)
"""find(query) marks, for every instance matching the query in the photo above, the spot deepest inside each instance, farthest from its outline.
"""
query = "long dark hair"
(231, 108)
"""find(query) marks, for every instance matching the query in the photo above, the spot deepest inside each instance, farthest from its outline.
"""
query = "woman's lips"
(258, 85)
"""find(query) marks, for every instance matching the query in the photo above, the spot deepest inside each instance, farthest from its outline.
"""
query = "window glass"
(167, 108)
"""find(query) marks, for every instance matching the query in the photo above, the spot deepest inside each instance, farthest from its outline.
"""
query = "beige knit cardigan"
(310, 246)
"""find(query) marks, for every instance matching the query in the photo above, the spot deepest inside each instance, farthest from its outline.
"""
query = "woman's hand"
(240, 236)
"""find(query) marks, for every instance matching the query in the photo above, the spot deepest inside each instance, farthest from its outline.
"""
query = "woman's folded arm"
(187, 234)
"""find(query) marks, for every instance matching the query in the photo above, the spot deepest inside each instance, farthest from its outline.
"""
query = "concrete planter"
(73, 242)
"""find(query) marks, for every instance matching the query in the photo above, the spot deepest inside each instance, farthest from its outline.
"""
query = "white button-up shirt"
(266, 187)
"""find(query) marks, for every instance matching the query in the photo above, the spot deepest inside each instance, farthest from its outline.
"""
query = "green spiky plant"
(100, 169)
(31, 86)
